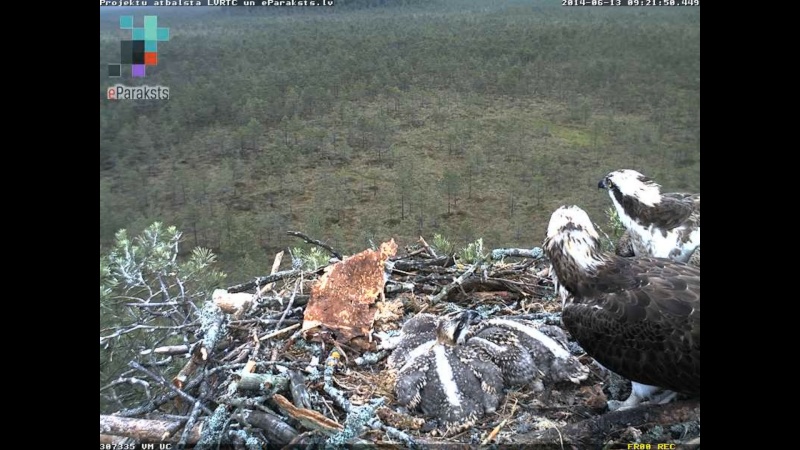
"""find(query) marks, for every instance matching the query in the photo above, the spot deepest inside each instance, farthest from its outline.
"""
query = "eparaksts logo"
(120, 92)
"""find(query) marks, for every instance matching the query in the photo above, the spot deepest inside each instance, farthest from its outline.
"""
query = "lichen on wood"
(249, 363)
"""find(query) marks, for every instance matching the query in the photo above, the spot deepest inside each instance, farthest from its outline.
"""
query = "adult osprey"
(639, 317)
(660, 225)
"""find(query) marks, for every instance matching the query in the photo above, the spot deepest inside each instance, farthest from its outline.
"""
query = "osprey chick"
(638, 317)
(445, 378)
(526, 353)
(660, 225)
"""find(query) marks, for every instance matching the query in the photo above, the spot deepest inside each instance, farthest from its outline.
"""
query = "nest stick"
(289, 305)
(305, 237)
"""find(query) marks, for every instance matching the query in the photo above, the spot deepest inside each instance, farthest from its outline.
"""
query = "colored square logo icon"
(125, 22)
(141, 49)
(115, 70)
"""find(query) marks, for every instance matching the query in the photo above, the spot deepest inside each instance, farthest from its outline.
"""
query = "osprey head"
(453, 331)
(571, 220)
(571, 236)
(630, 183)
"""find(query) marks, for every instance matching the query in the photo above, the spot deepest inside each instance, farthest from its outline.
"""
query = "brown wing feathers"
(668, 214)
(648, 333)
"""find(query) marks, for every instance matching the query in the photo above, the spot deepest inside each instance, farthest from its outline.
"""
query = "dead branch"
(277, 431)
(294, 312)
(133, 328)
(153, 305)
(199, 357)
(261, 281)
(327, 247)
(357, 418)
(266, 322)
(399, 420)
(395, 287)
(157, 327)
(308, 417)
(433, 279)
(212, 325)
(427, 247)
(168, 350)
(489, 285)
(515, 270)
(154, 403)
(214, 432)
(421, 252)
(279, 332)
(163, 382)
(298, 389)
(275, 265)
(412, 265)
(145, 430)
(336, 395)
(299, 300)
(262, 382)
(189, 425)
(289, 305)
(130, 380)
(456, 283)
(534, 253)
(110, 439)
(592, 432)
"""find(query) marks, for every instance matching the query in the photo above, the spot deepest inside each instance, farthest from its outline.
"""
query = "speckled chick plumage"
(443, 377)
(527, 353)
(417, 336)
(503, 348)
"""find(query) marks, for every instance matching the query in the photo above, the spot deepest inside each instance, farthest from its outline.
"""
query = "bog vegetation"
(378, 119)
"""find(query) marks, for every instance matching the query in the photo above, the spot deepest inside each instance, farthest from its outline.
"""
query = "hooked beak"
(602, 184)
